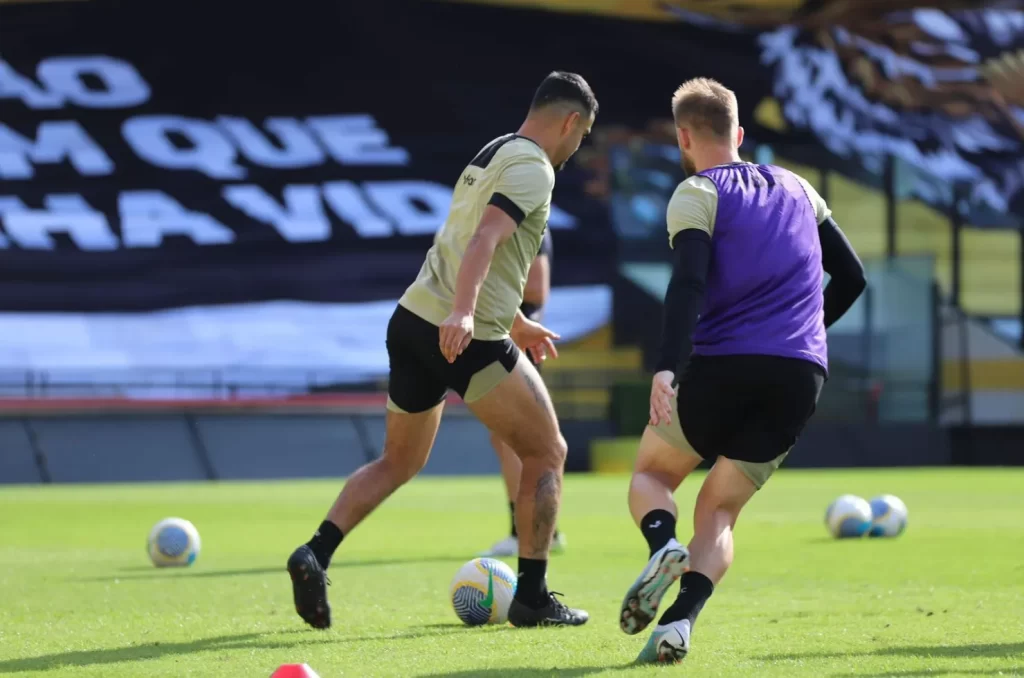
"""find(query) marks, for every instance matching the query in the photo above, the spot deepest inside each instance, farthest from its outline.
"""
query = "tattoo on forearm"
(545, 512)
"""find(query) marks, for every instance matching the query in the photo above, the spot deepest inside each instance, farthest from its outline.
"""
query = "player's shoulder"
(695, 188)
(506, 148)
(520, 149)
(802, 185)
(522, 161)
(694, 204)
(807, 186)
(780, 171)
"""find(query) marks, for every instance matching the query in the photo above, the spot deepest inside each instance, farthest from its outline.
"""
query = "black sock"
(658, 527)
(325, 542)
(532, 588)
(694, 591)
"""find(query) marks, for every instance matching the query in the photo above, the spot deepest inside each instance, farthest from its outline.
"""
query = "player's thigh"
(791, 400)
(783, 398)
(665, 451)
(711, 399)
(416, 393)
(415, 384)
(409, 437)
(518, 408)
(727, 487)
(504, 451)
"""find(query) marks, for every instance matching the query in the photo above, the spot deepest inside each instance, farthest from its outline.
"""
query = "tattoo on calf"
(545, 512)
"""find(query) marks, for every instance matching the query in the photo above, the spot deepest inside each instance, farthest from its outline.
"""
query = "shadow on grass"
(143, 572)
(933, 651)
(1006, 671)
(269, 640)
(554, 672)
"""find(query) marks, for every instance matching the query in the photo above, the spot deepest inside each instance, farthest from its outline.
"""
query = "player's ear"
(739, 137)
(570, 123)
(684, 137)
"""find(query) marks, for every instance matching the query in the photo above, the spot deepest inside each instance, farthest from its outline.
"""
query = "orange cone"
(294, 671)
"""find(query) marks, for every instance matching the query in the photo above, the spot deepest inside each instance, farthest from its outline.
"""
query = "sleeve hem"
(505, 204)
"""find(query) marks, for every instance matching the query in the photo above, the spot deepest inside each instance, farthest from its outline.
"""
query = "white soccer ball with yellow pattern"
(482, 590)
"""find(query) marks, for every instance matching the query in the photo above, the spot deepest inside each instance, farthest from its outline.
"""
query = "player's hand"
(455, 334)
(661, 398)
(535, 339)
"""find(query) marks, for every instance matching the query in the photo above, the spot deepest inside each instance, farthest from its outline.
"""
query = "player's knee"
(401, 468)
(559, 451)
(552, 452)
(547, 450)
(497, 442)
(715, 511)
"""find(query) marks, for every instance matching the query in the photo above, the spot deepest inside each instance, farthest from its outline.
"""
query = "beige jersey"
(514, 174)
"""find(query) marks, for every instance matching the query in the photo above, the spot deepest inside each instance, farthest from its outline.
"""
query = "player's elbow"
(538, 282)
(536, 295)
(857, 280)
(860, 283)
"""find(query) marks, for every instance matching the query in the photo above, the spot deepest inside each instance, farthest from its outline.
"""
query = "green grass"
(79, 598)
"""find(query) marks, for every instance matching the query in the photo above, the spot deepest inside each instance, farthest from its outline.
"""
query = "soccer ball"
(848, 516)
(889, 516)
(482, 591)
(173, 542)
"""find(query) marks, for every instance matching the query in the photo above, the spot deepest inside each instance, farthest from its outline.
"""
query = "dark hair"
(564, 87)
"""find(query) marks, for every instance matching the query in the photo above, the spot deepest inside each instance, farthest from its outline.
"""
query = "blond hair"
(707, 106)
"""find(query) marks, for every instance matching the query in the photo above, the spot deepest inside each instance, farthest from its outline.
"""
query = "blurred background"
(207, 215)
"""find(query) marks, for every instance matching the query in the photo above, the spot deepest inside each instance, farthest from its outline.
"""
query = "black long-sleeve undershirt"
(684, 296)
(844, 267)
(685, 292)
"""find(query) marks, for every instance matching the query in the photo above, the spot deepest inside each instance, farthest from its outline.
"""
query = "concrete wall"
(995, 375)
(125, 448)
(168, 447)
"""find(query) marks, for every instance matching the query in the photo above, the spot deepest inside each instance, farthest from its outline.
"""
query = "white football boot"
(667, 645)
(664, 568)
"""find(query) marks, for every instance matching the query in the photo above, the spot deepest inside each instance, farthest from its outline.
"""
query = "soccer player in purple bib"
(743, 356)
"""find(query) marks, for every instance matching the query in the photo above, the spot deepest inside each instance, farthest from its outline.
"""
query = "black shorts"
(747, 407)
(420, 376)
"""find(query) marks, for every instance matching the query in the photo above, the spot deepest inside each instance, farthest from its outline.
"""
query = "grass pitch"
(79, 598)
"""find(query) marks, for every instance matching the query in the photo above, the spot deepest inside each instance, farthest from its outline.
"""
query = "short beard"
(688, 166)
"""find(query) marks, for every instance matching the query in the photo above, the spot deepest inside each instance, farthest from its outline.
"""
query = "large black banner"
(155, 155)
(162, 154)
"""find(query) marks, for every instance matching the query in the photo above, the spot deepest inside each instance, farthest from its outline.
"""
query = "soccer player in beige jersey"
(459, 327)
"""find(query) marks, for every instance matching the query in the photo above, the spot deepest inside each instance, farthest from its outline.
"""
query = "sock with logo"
(532, 588)
(512, 512)
(694, 590)
(658, 526)
(325, 542)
